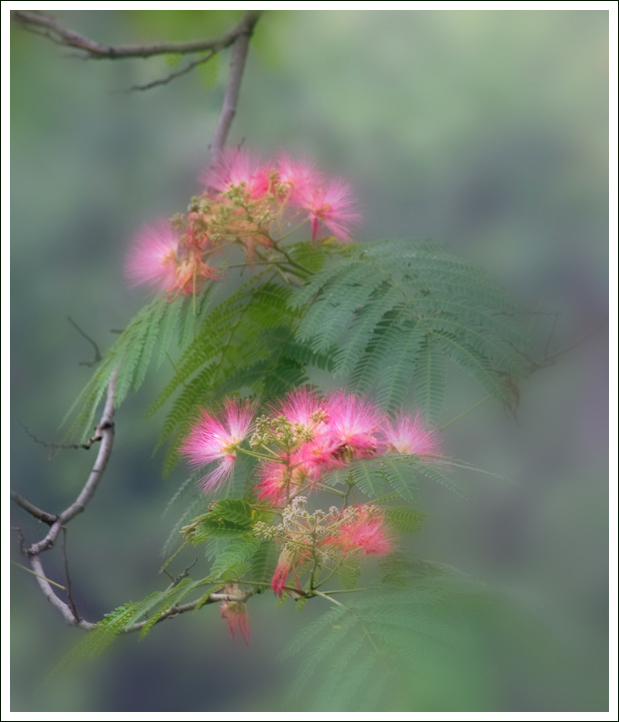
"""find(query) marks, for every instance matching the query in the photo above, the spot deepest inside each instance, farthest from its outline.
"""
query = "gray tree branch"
(237, 65)
(55, 31)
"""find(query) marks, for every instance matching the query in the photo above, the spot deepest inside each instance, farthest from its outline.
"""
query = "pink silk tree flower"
(366, 533)
(235, 613)
(214, 439)
(407, 435)
(153, 257)
(299, 406)
(330, 206)
(353, 427)
(233, 167)
(301, 176)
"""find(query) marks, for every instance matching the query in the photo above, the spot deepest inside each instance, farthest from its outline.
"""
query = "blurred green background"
(484, 130)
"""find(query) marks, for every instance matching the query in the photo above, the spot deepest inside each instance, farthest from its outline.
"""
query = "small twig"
(21, 538)
(72, 605)
(549, 359)
(56, 447)
(98, 356)
(464, 413)
(172, 76)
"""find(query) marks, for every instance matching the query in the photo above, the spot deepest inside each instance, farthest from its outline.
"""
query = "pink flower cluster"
(253, 204)
(304, 438)
(359, 528)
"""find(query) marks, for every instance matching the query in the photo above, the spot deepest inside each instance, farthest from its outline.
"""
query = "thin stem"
(464, 413)
(21, 566)
(324, 595)
(258, 455)
(331, 490)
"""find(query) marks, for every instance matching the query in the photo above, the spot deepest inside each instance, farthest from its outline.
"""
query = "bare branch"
(53, 599)
(45, 25)
(32, 509)
(105, 431)
(237, 65)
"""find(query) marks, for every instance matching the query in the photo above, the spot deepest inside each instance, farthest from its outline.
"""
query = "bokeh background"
(485, 130)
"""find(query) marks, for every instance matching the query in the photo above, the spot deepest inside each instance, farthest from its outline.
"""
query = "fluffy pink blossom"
(330, 205)
(352, 428)
(366, 533)
(301, 176)
(233, 167)
(299, 406)
(153, 257)
(215, 439)
(407, 435)
(235, 613)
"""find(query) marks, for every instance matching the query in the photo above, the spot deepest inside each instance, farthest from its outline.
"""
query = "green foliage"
(156, 324)
(404, 519)
(226, 528)
(230, 564)
(398, 309)
(245, 345)
(104, 633)
(171, 597)
(349, 572)
(390, 649)
(225, 519)
(370, 476)
(263, 562)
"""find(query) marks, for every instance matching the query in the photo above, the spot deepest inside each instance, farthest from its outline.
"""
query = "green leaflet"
(349, 572)
(170, 598)
(104, 633)
(404, 519)
(398, 309)
(156, 326)
(264, 561)
(403, 649)
(236, 553)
